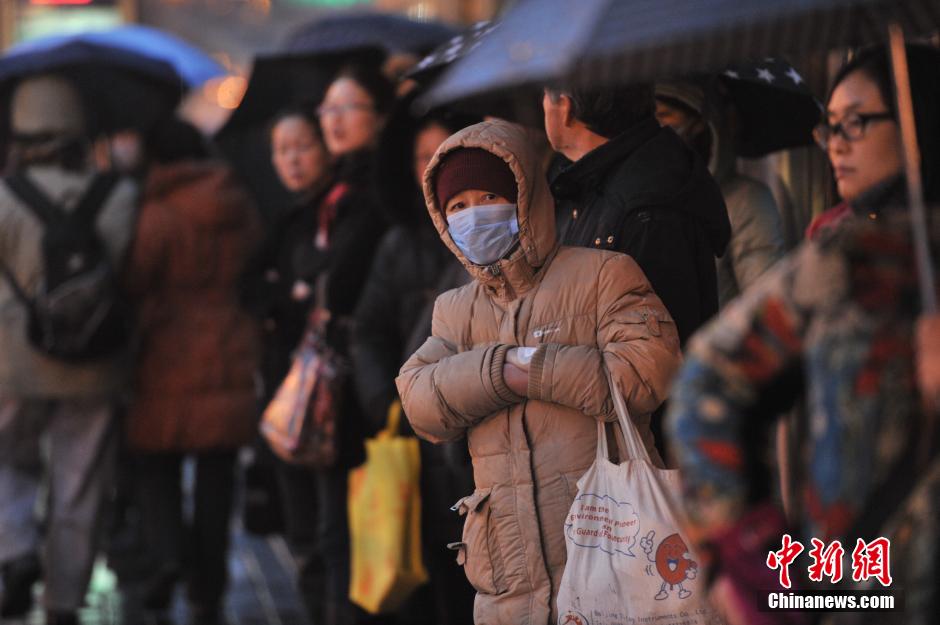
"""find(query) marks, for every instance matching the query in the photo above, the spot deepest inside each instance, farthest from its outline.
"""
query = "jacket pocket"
(651, 318)
(479, 552)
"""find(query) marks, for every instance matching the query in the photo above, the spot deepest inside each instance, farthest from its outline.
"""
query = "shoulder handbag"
(301, 421)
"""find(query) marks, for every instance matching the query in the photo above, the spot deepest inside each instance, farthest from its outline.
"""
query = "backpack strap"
(45, 209)
(14, 285)
(35, 200)
(94, 198)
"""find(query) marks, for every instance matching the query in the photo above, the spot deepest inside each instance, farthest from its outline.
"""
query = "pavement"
(261, 590)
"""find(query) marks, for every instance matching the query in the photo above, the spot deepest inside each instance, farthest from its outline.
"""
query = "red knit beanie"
(473, 168)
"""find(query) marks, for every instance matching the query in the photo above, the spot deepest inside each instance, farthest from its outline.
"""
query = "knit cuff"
(540, 372)
(496, 362)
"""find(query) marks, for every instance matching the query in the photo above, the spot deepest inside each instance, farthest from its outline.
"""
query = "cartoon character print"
(573, 618)
(672, 563)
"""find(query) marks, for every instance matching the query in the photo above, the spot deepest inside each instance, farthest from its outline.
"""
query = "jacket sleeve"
(149, 251)
(352, 247)
(685, 285)
(637, 346)
(376, 344)
(445, 391)
(756, 233)
(745, 355)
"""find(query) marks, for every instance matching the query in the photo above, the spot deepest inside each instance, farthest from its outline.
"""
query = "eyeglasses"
(851, 128)
(342, 109)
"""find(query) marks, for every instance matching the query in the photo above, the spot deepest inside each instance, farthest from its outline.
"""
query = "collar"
(884, 196)
(571, 179)
(512, 277)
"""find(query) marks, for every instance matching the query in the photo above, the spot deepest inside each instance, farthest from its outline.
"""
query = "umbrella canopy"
(775, 108)
(386, 31)
(277, 82)
(281, 80)
(603, 41)
(192, 65)
(457, 47)
(123, 89)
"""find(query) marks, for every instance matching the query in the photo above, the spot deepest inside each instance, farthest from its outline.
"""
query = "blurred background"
(232, 31)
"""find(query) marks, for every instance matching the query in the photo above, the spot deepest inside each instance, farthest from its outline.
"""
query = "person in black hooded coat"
(621, 182)
(411, 267)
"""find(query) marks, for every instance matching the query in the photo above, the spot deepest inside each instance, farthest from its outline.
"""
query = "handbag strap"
(394, 419)
(633, 443)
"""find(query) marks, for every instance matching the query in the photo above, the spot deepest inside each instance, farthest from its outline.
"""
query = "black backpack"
(77, 313)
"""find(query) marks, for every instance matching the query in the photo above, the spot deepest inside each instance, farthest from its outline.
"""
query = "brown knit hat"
(473, 168)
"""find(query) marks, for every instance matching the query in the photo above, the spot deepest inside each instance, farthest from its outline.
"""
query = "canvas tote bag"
(628, 561)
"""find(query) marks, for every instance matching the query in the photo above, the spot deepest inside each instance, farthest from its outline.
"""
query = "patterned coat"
(838, 317)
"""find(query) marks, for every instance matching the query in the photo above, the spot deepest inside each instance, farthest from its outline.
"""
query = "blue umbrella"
(386, 31)
(120, 88)
(191, 65)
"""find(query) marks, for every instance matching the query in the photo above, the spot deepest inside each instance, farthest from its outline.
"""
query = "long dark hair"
(374, 82)
(923, 63)
(301, 111)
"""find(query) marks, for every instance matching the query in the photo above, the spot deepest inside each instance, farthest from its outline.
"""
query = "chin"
(848, 192)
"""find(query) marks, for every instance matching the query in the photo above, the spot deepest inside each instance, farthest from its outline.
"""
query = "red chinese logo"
(784, 558)
(869, 560)
(827, 561)
(872, 560)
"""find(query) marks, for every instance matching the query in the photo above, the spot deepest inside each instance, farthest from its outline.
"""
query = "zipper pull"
(494, 269)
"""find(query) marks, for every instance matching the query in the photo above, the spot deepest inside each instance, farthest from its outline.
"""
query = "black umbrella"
(282, 80)
(775, 108)
(430, 67)
(277, 82)
(387, 31)
(603, 41)
(122, 88)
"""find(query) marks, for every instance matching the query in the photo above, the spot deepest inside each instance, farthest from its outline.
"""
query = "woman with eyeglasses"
(839, 323)
(862, 138)
(331, 271)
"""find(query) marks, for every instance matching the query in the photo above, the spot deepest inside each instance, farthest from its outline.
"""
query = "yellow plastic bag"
(385, 521)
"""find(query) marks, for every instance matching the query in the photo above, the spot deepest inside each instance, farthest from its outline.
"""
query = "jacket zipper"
(494, 270)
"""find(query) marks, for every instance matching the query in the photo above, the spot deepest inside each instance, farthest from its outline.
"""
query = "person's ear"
(565, 107)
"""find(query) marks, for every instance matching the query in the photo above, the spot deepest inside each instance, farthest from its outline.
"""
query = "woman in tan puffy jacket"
(520, 362)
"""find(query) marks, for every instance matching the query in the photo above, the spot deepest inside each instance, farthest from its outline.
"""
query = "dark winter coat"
(644, 193)
(268, 284)
(353, 240)
(403, 281)
(194, 381)
(406, 273)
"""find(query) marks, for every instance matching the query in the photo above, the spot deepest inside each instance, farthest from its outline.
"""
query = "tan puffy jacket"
(591, 314)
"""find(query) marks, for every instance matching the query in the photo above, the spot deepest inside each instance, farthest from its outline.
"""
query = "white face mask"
(485, 233)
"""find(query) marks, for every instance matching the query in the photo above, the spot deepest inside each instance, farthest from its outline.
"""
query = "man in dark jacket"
(621, 182)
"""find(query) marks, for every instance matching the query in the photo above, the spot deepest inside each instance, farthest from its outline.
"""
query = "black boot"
(19, 575)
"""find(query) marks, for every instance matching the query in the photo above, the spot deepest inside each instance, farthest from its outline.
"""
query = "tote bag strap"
(633, 443)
